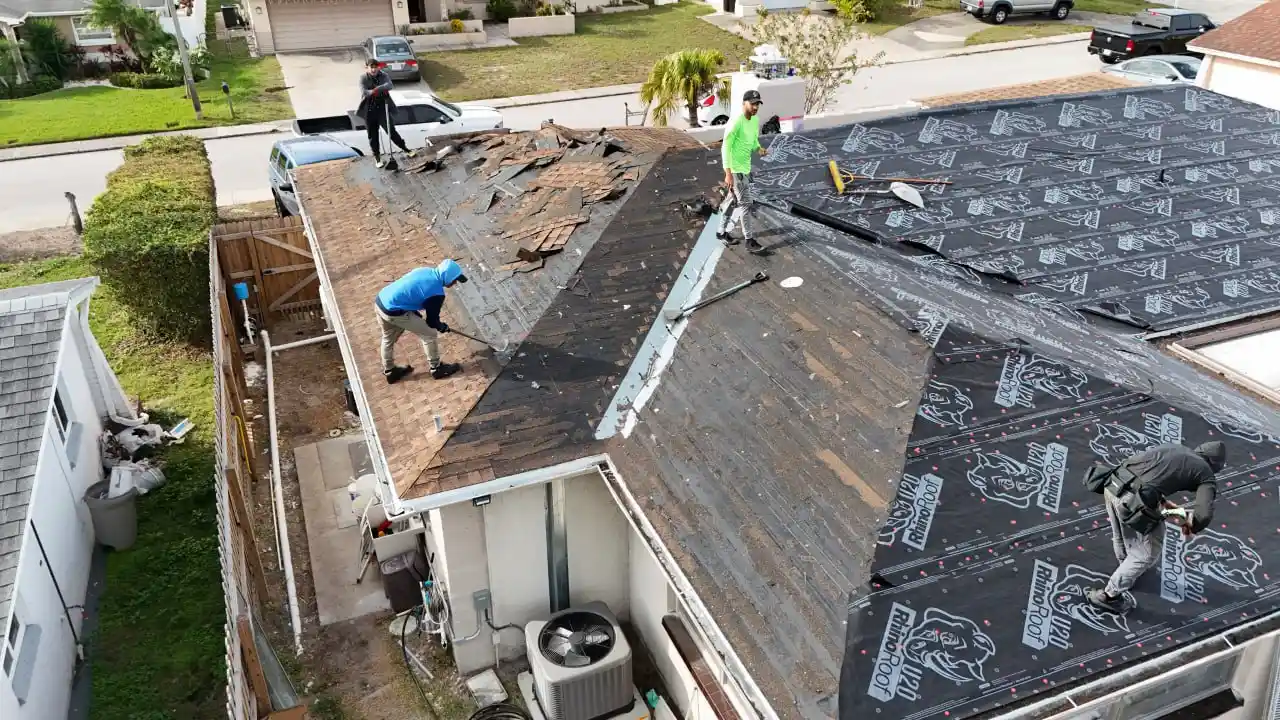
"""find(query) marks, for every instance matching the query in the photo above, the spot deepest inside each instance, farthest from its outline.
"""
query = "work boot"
(444, 370)
(1101, 600)
(379, 162)
(726, 238)
(396, 373)
(411, 153)
(754, 247)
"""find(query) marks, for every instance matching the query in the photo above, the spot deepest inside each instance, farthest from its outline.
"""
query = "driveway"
(324, 83)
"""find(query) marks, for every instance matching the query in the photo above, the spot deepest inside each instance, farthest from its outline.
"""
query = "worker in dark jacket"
(1137, 498)
(413, 303)
(375, 109)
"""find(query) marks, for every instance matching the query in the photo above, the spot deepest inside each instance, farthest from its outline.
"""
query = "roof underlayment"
(920, 409)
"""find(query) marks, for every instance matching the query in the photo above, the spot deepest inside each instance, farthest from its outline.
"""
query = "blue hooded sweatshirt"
(421, 289)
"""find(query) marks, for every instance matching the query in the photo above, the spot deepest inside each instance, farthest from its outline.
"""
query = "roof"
(1076, 84)
(31, 320)
(370, 227)
(20, 9)
(312, 149)
(1254, 34)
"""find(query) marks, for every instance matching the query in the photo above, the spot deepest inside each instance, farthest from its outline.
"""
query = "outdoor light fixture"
(482, 500)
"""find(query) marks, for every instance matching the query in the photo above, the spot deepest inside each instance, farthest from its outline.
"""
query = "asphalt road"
(31, 191)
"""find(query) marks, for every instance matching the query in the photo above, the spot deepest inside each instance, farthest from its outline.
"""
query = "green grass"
(612, 49)
(91, 112)
(899, 15)
(158, 650)
(1023, 31)
(1116, 7)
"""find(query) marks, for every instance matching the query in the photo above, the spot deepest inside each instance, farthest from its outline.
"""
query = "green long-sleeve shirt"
(741, 141)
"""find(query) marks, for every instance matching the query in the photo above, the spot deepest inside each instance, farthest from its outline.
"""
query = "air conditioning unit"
(581, 664)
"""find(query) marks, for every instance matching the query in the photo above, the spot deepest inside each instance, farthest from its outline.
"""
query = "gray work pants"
(393, 326)
(1136, 553)
(737, 206)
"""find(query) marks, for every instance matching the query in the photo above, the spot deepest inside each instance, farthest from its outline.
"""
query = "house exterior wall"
(597, 536)
(1241, 79)
(66, 468)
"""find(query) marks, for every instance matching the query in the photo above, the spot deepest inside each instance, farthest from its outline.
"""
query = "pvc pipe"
(301, 343)
(282, 525)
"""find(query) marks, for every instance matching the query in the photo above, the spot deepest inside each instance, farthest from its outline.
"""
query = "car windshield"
(392, 47)
(448, 105)
(1187, 68)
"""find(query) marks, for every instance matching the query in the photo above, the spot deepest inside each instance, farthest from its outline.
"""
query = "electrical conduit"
(277, 487)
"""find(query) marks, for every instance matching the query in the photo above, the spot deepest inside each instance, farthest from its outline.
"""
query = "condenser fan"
(576, 639)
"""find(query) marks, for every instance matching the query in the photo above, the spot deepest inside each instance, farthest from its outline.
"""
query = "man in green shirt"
(741, 141)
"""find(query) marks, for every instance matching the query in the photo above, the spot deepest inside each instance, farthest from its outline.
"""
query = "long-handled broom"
(897, 188)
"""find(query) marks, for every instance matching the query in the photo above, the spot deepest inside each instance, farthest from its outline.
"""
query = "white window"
(87, 34)
(12, 640)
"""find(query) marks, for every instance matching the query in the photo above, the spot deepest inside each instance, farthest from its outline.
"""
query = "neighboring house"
(55, 391)
(67, 16)
(853, 488)
(1242, 57)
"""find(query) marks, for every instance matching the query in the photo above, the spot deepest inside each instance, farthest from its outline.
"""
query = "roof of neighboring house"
(1254, 34)
(552, 193)
(20, 9)
(854, 467)
(31, 320)
(1076, 84)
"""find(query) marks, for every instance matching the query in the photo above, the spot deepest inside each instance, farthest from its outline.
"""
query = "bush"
(145, 81)
(211, 10)
(37, 86)
(455, 25)
(461, 14)
(47, 51)
(148, 236)
(501, 10)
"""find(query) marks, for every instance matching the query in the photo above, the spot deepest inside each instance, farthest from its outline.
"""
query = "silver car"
(997, 11)
(394, 55)
(1158, 69)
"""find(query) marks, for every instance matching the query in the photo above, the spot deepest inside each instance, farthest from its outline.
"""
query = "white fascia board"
(1238, 58)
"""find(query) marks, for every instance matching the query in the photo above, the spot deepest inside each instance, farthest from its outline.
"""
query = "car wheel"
(1061, 11)
(1153, 51)
(999, 16)
(720, 120)
(1108, 60)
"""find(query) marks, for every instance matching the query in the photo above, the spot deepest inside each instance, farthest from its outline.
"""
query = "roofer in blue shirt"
(413, 303)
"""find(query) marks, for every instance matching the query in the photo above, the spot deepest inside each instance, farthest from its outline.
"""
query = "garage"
(325, 25)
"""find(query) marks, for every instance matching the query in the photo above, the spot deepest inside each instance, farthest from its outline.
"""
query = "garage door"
(325, 25)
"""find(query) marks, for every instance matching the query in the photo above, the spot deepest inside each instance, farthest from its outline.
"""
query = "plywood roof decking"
(371, 227)
(1091, 82)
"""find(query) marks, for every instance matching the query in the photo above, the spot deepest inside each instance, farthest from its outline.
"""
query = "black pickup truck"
(1158, 31)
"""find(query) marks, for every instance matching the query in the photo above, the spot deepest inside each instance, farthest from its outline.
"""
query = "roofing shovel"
(495, 347)
(674, 316)
(900, 190)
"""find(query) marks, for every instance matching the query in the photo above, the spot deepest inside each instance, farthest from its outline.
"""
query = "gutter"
(493, 487)
(697, 611)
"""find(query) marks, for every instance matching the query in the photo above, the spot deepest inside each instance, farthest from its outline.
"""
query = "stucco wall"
(1247, 81)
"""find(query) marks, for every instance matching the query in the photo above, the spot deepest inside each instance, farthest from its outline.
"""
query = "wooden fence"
(274, 258)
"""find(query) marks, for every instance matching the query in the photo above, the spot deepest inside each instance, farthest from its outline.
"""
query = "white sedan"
(1158, 69)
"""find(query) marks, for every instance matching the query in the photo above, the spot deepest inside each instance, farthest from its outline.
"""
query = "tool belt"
(1133, 511)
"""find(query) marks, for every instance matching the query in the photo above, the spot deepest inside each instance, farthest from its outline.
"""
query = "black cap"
(751, 96)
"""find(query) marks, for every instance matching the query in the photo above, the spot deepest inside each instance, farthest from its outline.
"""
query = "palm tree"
(680, 78)
(133, 25)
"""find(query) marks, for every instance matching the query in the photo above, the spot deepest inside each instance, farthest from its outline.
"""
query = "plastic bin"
(114, 512)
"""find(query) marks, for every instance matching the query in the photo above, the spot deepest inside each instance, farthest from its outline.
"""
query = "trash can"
(113, 507)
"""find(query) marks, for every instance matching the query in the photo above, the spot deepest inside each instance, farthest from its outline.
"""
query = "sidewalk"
(116, 143)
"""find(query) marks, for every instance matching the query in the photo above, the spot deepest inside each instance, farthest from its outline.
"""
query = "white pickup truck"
(417, 115)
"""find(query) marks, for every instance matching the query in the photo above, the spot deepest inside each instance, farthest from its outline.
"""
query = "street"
(33, 189)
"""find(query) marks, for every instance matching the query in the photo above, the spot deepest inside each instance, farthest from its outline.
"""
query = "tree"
(861, 11)
(682, 77)
(135, 26)
(814, 45)
(47, 52)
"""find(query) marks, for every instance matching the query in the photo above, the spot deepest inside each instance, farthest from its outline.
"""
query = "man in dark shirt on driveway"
(1137, 494)
(375, 109)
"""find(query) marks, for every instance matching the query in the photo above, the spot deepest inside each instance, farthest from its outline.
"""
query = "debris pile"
(577, 169)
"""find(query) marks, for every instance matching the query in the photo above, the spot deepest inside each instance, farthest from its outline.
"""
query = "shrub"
(148, 236)
(211, 10)
(37, 86)
(461, 14)
(501, 10)
(145, 81)
(455, 25)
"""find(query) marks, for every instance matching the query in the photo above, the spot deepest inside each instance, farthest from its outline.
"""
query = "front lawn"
(899, 15)
(91, 112)
(613, 49)
(158, 651)
(1117, 7)
(1023, 31)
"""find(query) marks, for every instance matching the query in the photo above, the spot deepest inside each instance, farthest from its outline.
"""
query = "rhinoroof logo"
(1137, 183)
(1003, 479)
(1088, 141)
(785, 147)
(950, 646)
(1140, 108)
(1006, 264)
(1200, 101)
(930, 322)
(1016, 203)
(1113, 442)
(1232, 225)
(1137, 240)
(1269, 216)
(1079, 218)
(1208, 173)
(1022, 375)
(863, 139)
(1142, 132)
(935, 158)
(780, 178)
(1207, 124)
(1185, 564)
(1068, 284)
(944, 404)
(1243, 432)
(1209, 147)
(937, 130)
(1147, 155)
(1084, 165)
(1008, 122)
(1156, 268)
(1003, 230)
(1222, 255)
(936, 215)
(1168, 300)
(1013, 176)
(946, 267)
(1076, 115)
(912, 511)
(1154, 206)
(1012, 149)
(1057, 602)
(1227, 195)
(1075, 192)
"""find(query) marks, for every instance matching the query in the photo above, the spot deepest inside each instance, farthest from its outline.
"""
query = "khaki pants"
(393, 326)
